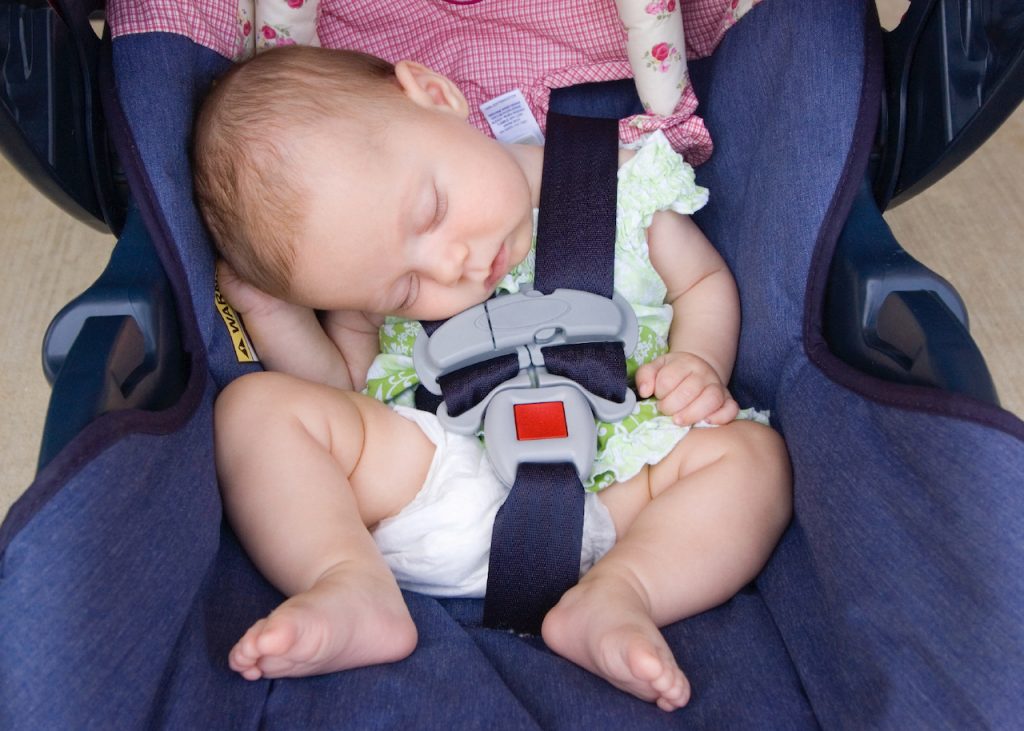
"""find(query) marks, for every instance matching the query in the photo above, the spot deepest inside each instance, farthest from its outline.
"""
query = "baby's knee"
(258, 405)
(269, 413)
(762, 445)
(761, 452)
(248, 401)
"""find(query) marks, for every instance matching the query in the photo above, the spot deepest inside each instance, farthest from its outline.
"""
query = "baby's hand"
(242, 296)
(687, 388)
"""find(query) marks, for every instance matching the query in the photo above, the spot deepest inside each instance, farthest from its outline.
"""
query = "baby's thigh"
(394, 462)
(746, 448)
(746, 457)
(627, 499)
(383, 456)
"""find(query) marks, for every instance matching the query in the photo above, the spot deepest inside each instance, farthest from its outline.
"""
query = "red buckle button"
(545, 420)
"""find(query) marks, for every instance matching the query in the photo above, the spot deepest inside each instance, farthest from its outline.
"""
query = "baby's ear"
(430, 89)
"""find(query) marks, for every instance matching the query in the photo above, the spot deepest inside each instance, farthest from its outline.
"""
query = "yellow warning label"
(243, 346)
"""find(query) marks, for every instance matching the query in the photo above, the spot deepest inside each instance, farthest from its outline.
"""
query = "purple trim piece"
(902, 396)
(156, 225)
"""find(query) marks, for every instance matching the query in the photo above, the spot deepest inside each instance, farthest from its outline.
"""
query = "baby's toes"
(677, 694)
(277, 666)
(277, 636)
(664, 682)
(667, 679)
(245, 654)
(645, 662)
(669, 684)
(251, 673)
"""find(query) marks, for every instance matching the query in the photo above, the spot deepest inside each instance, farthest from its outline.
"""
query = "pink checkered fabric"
(487, 47)
(210, 23)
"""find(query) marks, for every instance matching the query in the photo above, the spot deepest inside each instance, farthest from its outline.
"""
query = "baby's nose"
(449, 263)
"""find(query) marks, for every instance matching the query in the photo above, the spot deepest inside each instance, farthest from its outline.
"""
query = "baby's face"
(421, 222)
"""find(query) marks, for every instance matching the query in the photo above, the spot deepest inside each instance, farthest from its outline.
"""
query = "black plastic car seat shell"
(51, 125)
(116, 346)
(888, 315)
(954, 73)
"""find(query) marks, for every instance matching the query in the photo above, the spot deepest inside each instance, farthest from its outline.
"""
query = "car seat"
(893, 601)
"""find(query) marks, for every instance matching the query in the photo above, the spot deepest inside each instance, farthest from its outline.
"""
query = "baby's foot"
(350, 618)
(604, 626)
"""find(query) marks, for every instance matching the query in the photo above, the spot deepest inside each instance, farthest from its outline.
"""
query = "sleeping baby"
(339, 498)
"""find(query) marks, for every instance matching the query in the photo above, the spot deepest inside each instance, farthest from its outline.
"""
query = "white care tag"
(511, 119)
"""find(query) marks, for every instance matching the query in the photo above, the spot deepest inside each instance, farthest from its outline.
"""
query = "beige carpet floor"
(969, 228)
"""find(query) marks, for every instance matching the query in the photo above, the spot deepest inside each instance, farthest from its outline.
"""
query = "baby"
(342, 191)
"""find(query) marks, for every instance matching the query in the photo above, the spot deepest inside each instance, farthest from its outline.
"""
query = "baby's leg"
(304, 469)
(693, 531)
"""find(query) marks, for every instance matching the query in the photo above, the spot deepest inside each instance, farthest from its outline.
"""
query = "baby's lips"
(497, 267)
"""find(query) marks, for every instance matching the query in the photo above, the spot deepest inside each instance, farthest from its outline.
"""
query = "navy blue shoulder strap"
(576, 222)
(538, 532)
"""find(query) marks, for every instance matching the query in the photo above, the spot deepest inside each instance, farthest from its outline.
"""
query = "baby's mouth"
(497, 267)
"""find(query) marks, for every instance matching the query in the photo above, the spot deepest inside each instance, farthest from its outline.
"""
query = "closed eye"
(412, 292)
(440, 208)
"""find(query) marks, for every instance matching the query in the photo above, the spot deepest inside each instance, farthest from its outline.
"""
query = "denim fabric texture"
(161, 80)
(97, 589)
(897, 589)
(781, 97)
(893, 601)
(901, 582)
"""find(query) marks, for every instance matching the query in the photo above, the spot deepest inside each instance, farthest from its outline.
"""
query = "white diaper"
(440, 543)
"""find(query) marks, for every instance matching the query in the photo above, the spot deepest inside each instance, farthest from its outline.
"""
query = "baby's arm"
(333, 348)
(690, 380)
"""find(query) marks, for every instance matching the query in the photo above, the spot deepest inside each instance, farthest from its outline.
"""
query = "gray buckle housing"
(524, 323)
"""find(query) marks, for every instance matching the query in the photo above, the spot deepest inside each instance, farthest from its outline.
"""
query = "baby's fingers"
(245, 298)
(729, 411)
(239, 294)
(710, 404)
(681, 395)
(647, 376)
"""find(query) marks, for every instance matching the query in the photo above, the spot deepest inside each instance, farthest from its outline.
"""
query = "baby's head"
(340, 181)
(250, 190)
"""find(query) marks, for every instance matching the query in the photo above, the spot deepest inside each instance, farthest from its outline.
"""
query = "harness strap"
(576, 222)
(538, 531)
(598, 367)
(535, 547)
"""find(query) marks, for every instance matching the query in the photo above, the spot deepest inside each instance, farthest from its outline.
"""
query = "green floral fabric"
(655, 179)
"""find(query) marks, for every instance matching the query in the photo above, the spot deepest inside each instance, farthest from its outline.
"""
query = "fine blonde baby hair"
(248, 187)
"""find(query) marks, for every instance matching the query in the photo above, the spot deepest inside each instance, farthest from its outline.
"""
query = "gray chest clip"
(534, 417)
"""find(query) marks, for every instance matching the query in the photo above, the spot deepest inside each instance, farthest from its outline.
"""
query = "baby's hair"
(249, 189)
